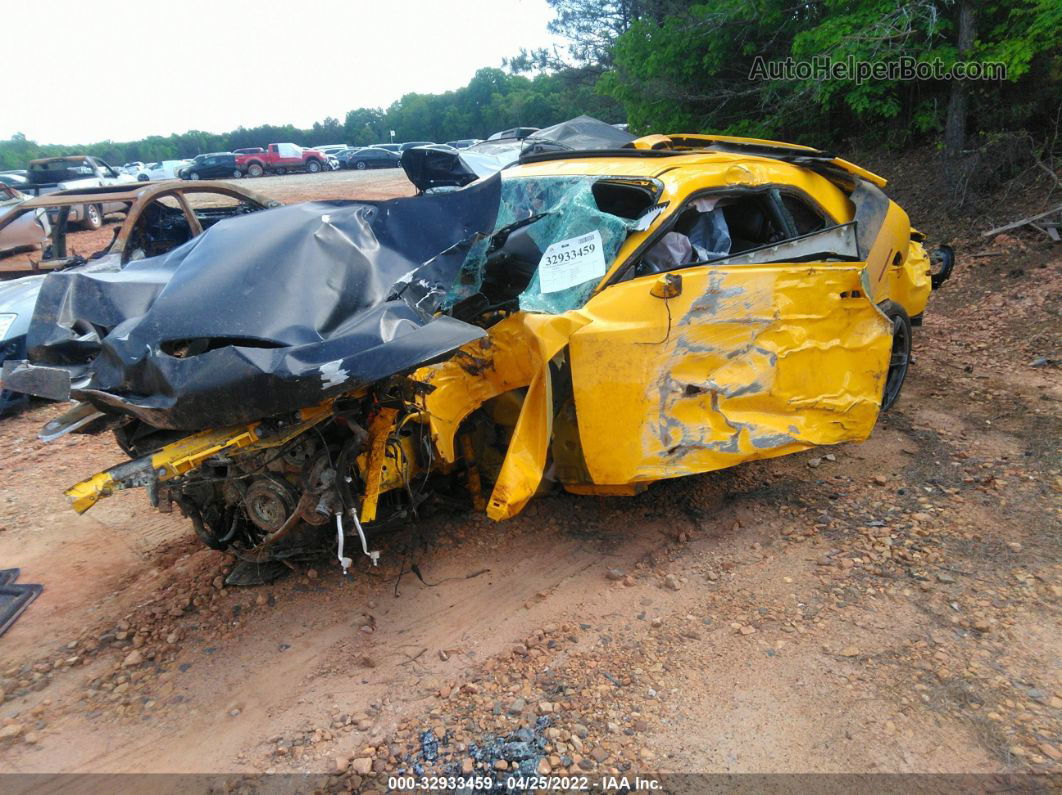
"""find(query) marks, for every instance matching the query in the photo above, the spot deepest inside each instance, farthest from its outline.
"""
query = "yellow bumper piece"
(184, 455)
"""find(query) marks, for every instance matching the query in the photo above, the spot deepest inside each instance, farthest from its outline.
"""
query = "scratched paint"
(332, 374)
(758, 361)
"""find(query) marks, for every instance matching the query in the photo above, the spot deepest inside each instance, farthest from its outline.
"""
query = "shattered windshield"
(574, 240)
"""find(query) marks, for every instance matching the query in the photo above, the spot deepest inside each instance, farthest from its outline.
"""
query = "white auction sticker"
(571, 262)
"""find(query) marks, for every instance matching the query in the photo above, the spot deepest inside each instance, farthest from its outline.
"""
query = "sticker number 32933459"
(567, 263)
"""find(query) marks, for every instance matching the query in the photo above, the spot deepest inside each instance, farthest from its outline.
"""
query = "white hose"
(344, 562)
(374, 556)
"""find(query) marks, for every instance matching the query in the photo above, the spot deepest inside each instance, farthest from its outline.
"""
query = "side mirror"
(667, 285)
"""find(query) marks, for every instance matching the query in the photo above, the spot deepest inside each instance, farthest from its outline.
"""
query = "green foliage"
(690, 69)
(494, 100)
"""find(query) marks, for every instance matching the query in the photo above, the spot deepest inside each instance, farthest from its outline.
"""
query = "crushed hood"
(265, 313)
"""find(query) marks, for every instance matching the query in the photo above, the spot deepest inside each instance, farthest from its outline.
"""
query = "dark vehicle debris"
(14, 597)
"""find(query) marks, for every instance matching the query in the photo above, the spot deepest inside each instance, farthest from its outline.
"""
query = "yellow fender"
(516, 354)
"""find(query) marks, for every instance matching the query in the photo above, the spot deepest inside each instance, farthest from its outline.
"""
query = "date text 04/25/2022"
(524, 783)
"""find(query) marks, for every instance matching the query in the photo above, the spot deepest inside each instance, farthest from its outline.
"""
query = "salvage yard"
(891, 606)
(384, 184)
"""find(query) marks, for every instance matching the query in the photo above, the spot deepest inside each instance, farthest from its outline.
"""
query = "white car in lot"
(164, 169)
(133, 169)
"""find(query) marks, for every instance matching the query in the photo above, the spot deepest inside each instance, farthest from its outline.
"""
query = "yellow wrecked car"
(598, 318)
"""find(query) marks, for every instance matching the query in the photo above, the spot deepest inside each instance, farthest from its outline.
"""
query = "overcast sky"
(77, 72)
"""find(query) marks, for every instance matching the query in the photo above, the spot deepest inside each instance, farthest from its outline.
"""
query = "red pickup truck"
(281, 158)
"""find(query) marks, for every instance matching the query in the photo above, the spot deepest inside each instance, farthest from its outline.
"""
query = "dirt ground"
(891, 606)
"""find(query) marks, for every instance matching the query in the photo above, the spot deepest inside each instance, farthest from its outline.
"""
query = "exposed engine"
(365, 460)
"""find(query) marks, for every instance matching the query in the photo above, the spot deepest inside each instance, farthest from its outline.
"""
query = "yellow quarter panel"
(909, 284)
(759, 361)
(893, 241)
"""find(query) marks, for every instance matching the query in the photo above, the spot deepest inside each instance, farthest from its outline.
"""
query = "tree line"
(669, 65)
(494, 99)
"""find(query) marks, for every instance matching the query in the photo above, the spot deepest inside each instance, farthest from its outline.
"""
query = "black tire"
(313, 166)
(255, 170)
(361, 165)
(900, 358)
(280, 171)
(236, 173)
(194, 175)
(92, 217)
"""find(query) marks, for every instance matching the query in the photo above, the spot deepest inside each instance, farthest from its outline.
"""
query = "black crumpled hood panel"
(299, 302)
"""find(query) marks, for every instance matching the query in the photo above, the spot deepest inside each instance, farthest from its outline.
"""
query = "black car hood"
(268, 312)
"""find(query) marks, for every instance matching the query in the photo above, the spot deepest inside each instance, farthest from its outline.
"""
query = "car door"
(707, 364)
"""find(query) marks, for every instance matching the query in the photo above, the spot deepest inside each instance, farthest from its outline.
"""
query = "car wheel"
(236, 174)
(194, 175)
(361, 165)
(93, 218)
(142, 178)
(900, 358)
(313, 166)
(280, 171)
(255, 170)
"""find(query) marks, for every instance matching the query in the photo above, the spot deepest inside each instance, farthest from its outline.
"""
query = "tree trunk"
(955, 126)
